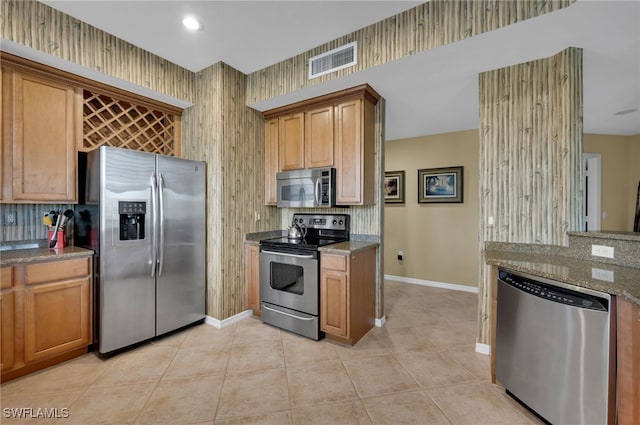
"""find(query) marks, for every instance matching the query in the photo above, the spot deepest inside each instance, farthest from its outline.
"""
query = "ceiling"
(427, 93)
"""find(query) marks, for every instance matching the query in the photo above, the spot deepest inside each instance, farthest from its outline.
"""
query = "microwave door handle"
(317, 193)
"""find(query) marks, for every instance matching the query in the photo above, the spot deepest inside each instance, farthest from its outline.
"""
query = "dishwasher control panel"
(554, 293)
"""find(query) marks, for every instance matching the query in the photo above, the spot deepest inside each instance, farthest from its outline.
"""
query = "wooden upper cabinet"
(318, 124)
(270, 161)
(355, 152)
(333, 130)
(291, 142)
(45, 118)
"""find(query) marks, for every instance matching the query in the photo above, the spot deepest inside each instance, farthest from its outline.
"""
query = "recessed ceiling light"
(191, 23)
(626, 111)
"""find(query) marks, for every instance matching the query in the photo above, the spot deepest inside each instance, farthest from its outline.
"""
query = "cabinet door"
(57, 318)
(291, 142)
(318, 125)
(5, 130)
(6, 330)
(628, 368)
(349, 152)
(252, 270)
(355, 153)
(270, 161)
(334, 305)
(46, 121)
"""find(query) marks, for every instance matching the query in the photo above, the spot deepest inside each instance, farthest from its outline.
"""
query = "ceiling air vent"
(333, 60)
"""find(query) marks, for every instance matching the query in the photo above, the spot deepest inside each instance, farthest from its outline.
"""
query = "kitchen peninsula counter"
(22, 256)
(347, 247)
(554, 263)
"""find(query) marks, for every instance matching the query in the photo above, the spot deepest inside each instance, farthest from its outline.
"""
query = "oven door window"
(287, 278)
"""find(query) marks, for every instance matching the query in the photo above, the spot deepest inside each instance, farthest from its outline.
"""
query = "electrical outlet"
(256, 215)
(606, 275)
(602, 251)
(9, 219)
(400, 255)
(490, 221)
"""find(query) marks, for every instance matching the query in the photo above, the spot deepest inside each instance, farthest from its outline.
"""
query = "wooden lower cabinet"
(57, 318)
(46, 317)
(252, 277)
(6, 330)
(628, 368)
(348, 294)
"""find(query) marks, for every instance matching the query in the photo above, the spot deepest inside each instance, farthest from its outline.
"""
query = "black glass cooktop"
(307, 242)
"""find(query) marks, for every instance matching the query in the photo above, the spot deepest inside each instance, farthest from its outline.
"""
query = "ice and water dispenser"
(132, 215)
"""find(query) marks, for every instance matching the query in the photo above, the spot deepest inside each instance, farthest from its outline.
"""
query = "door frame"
(592, 169)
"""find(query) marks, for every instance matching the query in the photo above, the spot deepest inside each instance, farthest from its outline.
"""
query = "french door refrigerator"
(144, 215)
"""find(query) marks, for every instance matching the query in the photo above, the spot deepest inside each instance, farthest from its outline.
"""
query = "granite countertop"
(347, 247)
(553, 264)
(20, 256)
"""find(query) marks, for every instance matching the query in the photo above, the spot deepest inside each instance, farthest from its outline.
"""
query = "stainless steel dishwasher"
(555, 349)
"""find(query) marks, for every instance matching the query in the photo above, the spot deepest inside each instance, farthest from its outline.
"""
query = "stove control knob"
(335, 222)
(299, 221)
(340, 222)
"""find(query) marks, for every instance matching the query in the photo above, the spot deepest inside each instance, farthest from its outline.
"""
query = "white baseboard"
(483, 348)
(414, 281)
(211, 321)
(380, 322)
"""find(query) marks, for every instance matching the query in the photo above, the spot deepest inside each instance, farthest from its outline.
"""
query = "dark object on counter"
(54, 238)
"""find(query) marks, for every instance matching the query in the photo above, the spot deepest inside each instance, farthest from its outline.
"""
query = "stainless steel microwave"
(313, 188)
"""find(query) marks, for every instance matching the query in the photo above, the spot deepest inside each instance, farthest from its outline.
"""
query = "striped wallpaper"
(427, 26)
(530, 157)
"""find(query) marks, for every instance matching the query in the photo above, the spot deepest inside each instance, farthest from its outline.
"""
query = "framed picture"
(440, 185)
(394, 187)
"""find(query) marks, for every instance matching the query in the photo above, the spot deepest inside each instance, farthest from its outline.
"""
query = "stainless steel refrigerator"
(144, 215)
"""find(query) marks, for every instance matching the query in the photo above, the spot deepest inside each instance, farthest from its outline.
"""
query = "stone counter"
(613, 279)
(21, 256)
(347, 247)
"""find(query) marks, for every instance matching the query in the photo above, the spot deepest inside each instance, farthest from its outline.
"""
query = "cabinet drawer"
(6, 277)
(334, 262)
(57, 270)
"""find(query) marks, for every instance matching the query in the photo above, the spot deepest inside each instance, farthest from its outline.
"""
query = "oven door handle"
(287, 314)
(288, 255)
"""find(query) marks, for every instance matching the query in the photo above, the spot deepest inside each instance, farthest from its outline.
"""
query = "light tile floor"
(421, 368)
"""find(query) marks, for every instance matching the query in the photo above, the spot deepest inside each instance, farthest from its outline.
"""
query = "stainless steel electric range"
(290, 272)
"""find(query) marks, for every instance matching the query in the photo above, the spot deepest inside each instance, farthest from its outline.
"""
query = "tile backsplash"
(27, 220)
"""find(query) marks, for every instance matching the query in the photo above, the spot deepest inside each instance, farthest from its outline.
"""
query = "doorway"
(591, 166)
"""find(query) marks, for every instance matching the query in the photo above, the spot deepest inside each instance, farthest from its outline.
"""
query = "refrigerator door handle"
(154, 223)
(161, 227)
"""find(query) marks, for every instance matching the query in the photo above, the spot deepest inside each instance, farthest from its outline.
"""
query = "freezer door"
(126, 305)
(181, 250)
